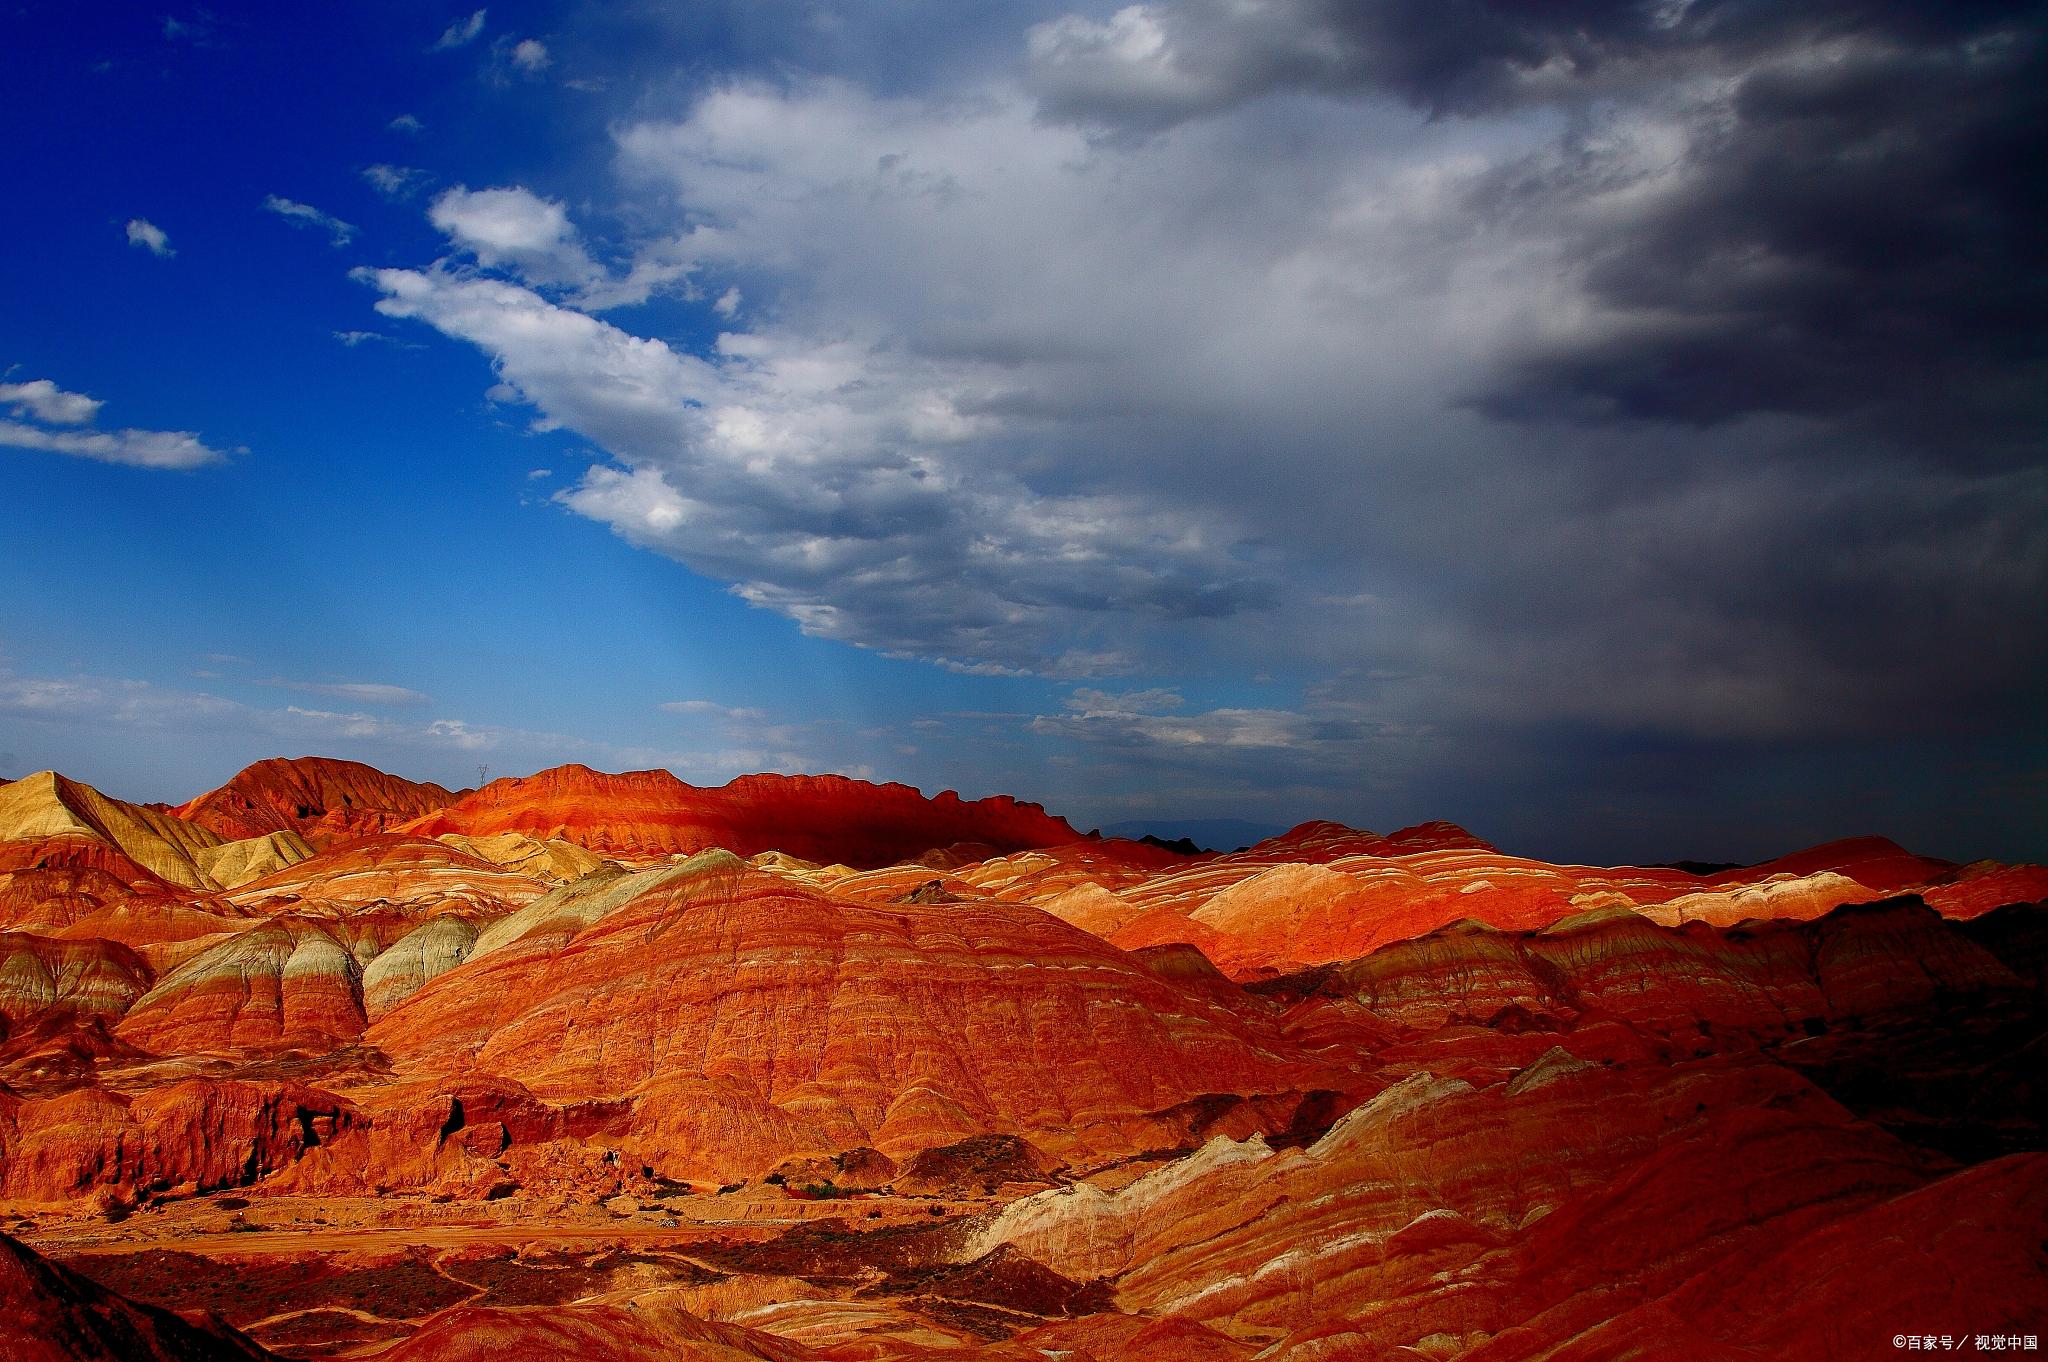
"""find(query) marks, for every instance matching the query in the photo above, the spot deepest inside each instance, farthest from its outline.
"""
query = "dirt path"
(321, 1240)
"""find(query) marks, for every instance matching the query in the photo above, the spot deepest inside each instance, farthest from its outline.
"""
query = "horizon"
(1166, 828)
(1619, 434)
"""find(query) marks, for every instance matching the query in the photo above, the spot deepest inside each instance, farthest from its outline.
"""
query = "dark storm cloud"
(1857, 240)
(1852, 226)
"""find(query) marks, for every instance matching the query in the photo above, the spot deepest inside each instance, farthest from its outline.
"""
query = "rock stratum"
(327, 1063)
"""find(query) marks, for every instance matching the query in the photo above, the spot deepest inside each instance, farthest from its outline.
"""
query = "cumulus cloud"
(1560, 365)
(146, 235)
(51, 419)
(530, 55)
(306, 215)
(44, 401)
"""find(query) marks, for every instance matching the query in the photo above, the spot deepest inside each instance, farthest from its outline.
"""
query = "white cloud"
(358, 692)
(306, 215)
(1089, 703)
(515, 230)
(149, 237)
(354, 338)
(713, 708)
(139, 448)
(44, 401)
(461, 33)
(531, 238)
(395, 182)
(43, 405)
(406, 123)
(530, 55)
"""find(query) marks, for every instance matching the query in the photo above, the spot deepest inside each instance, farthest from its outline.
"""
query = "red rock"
(198, 1133)
(286, 984)
(1878, 863)
(1985, 885)
(648, 814)
(49, 1313)
(415, 874)
(900, 1028)
(321, 798)
(648, 1328)
(46, 807)
(42, 980)
(1967, 1247)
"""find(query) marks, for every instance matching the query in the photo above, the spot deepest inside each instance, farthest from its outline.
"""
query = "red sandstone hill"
(643, 815)
(321, 798)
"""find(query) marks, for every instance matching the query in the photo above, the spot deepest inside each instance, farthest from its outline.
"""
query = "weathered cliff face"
(193, 1135)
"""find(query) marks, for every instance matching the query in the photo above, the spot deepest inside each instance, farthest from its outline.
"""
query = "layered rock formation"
(799, 1068)
(319, 798)
(647, 814)
(54, 815)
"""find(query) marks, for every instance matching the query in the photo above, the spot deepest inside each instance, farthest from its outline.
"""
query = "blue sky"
(1176, 410)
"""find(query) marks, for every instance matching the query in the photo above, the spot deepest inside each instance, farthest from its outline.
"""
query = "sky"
(1616, 427)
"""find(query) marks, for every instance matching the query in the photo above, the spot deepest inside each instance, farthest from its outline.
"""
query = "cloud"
(306, 215)
(44, 401)
(357, 692)
(1495, 362)
(530, 55)
(406, 123)
(1089, 703)
(42, 405)
(461, 33)
(396, 182)
(517, 231)
(78, 710)
(531, 238)
(712, 707)
(354, 338)
(150, 237)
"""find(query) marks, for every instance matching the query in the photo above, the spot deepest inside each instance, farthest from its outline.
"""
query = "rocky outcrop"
(196, 1134)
